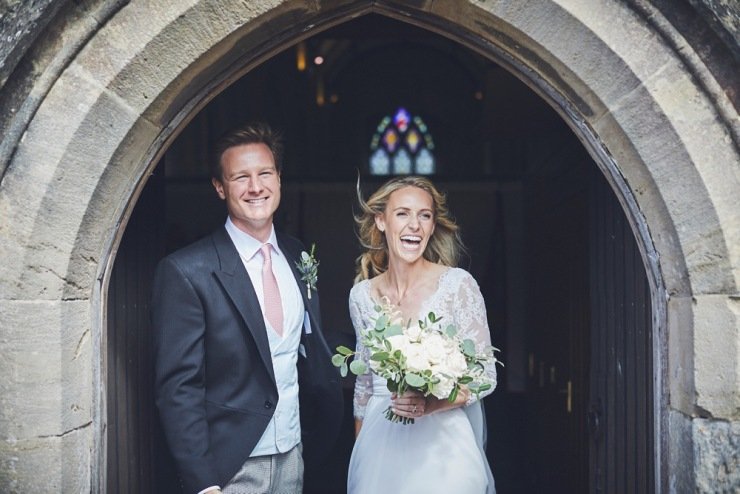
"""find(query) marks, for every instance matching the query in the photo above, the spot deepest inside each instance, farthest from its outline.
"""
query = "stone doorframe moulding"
(666, 143)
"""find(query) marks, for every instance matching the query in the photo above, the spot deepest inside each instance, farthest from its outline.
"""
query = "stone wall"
(724, 17)
(93, 90)
(21, 23)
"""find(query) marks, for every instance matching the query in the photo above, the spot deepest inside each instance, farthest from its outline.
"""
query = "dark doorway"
(530, 202)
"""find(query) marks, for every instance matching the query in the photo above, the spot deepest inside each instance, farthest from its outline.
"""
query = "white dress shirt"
(284, 430)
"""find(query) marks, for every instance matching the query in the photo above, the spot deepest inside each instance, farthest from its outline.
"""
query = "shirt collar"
(247, 245)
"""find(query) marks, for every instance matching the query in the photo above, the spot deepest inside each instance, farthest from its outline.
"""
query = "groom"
(244, 382)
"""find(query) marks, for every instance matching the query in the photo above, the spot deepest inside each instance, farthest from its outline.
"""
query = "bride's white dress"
(442, 452)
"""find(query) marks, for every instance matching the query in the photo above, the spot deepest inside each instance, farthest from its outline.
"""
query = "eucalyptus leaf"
(344, 350)
(379, 356)
(393, 330)
(381, 322)
(343, 369)
(468, 348)
(453, 394)
(358, 367)
(415, 380)
(338, 360)
(450, 330)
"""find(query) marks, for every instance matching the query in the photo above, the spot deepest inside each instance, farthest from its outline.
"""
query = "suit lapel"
(235, 281)
(292, 257)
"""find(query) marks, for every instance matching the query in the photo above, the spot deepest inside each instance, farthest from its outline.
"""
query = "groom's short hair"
(249, 133)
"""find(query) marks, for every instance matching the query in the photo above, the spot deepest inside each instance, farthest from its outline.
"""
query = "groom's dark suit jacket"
(215, 388)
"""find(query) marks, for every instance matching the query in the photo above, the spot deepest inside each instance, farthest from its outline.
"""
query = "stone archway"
(634, 92)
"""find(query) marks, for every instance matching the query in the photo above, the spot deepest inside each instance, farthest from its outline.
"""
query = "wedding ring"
(414, 411)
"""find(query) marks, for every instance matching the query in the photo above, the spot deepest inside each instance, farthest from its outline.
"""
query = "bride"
(412, 247)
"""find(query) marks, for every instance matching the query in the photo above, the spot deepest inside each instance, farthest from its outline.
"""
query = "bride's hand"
(436, 405)
(411, 404)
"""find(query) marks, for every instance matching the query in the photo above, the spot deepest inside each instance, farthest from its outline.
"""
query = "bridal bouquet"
(425, 357)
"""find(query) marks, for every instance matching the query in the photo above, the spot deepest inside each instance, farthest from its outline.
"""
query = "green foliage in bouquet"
(427, 358)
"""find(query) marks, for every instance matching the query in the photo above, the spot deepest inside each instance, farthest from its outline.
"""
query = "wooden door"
(620, 413)
(558, 332)
(137, 458)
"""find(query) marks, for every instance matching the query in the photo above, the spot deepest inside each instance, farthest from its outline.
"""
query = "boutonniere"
(308, 266)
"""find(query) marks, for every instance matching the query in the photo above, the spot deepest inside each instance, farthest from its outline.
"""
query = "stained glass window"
(402, 145)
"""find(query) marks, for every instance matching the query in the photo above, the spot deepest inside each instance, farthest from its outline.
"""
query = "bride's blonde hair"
(444, 247)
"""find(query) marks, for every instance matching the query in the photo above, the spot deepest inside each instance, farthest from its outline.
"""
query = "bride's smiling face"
(408, 223)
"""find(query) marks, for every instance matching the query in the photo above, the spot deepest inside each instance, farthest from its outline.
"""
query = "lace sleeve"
(471, 319)
(364, 382)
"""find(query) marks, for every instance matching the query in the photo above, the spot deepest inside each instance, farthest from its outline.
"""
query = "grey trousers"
(273, 474)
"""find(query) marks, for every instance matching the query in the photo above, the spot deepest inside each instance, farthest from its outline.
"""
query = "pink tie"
(271, 292)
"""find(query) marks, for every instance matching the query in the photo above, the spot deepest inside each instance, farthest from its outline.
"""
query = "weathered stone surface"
(681, 355)
(693, 116)
(138, 65)
(26, 185)
(31, 465)
(95, 234)
(723, 15)
(716, 456)
(47, 464)
(46, 366)
(52, 52)
(700, 231)
(601, 31)
(504, 24)
(76, 460)
(716, 350)
(652, 205)
(45, 396)
(116, 45)
(680, 465)
(20, 24)
(90, 138)
(44, 241)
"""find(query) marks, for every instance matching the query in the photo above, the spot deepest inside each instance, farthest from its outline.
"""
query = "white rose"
(399, 342)
(417, 359)
(435, 347)
(443, 388)
(455, 364)
(413, 332)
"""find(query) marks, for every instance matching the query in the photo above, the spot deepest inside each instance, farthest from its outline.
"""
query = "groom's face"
(250, 185)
